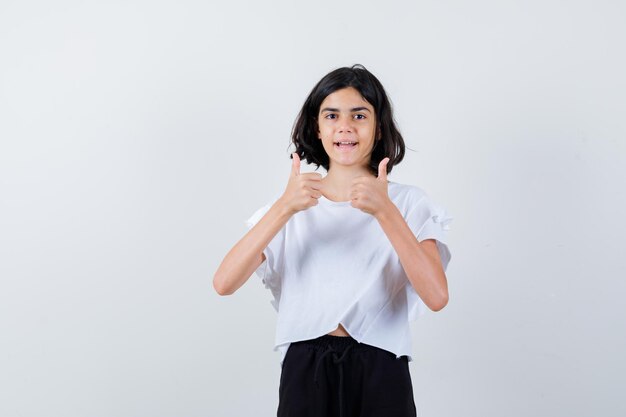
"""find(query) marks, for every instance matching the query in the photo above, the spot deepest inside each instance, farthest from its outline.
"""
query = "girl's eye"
(334, 116)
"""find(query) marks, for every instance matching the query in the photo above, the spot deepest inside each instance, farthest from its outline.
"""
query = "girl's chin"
(348, 162)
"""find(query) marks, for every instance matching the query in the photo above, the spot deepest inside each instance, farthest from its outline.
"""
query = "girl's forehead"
(348, 96)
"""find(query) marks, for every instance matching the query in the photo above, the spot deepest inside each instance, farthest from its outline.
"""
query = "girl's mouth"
(346, 145)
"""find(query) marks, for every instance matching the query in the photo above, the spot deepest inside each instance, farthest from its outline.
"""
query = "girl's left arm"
(420, 260)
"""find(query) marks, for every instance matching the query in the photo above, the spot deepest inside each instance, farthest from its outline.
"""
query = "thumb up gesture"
(371, 194)
(303, 190)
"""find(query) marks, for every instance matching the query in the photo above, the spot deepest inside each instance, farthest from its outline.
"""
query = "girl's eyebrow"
(352, 109)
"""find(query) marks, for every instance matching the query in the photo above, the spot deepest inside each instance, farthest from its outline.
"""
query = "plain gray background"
(137, 137)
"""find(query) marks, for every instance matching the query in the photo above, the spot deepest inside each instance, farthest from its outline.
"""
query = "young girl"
(350, 258)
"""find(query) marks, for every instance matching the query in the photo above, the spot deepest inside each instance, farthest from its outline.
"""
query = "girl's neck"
(336, 184)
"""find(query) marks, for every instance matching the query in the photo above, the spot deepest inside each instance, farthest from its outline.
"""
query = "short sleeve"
(427, 220)
(270, 269)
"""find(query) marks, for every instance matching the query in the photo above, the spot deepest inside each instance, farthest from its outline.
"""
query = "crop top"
(332, 263)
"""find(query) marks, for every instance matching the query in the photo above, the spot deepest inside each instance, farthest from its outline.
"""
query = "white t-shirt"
(332, 263)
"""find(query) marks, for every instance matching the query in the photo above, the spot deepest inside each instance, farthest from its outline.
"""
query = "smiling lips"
(346, 145)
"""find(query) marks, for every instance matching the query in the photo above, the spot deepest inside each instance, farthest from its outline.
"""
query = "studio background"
(137, 137)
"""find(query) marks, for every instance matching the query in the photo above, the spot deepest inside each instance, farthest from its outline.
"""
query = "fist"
(303, 190)
(371, 195)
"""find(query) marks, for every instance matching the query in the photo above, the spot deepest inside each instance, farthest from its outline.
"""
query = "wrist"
(283, 208)
(387, 211)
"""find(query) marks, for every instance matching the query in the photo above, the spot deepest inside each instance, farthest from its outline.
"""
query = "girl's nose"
(345, 125)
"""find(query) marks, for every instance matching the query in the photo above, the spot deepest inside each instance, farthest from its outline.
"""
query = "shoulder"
(406, 194)
(260, 211)
(418, 205)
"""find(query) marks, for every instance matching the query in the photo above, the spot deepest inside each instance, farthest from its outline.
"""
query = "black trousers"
(335, 376)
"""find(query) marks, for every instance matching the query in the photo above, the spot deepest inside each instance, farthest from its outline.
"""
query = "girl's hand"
(302, 190)
(370, 194)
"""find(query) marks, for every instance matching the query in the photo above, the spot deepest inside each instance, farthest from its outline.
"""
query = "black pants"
(335, 376)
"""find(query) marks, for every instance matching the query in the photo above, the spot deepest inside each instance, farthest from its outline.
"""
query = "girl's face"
(345, 116)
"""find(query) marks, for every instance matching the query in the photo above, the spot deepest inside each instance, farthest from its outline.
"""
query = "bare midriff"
(339, 331)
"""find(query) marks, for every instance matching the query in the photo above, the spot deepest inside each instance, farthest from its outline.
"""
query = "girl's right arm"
(245, 257)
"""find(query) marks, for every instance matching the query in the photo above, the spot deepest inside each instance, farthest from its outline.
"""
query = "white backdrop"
(137, 137)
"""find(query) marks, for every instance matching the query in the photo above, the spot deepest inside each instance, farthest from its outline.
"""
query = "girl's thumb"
(295, 166)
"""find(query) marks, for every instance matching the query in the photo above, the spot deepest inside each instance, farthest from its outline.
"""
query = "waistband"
(336, 342)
